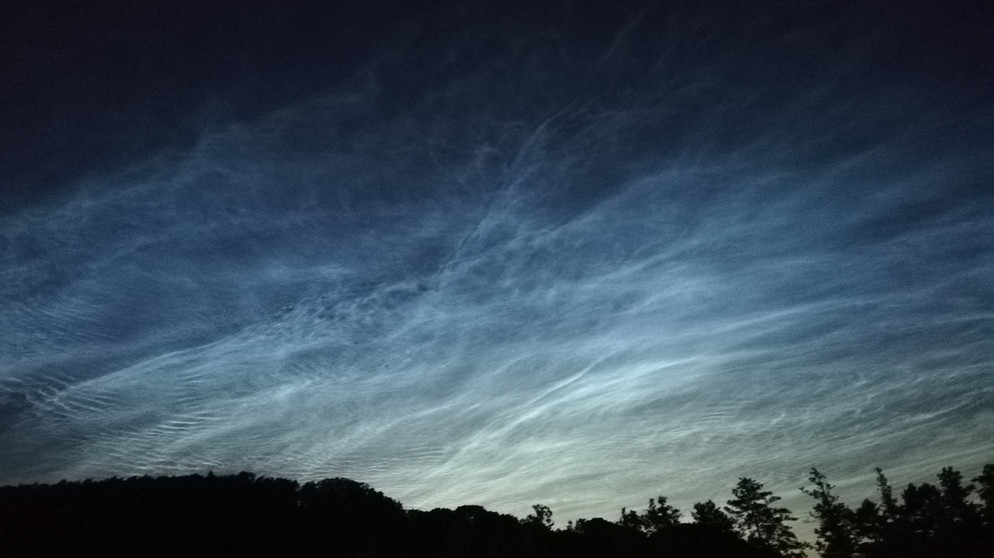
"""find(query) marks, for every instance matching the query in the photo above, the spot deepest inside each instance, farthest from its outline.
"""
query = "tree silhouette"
(835, 520)
(657, 517)
(540, 517)
(710, 515)
(888, 504)
(986, 492)
(866, 526)
(927, 521)
(760, 523)
(601, 538)
(351, 516)
(957, 507)
(246, 515)
(630, 519)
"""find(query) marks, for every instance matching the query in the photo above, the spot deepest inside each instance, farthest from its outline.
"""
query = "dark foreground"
(245, 515)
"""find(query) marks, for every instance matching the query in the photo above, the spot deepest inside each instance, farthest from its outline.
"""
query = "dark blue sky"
(499, 254)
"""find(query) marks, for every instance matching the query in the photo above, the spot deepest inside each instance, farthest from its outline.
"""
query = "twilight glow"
(496, 255)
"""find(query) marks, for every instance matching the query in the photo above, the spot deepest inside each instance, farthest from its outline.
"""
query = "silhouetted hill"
(246, 515)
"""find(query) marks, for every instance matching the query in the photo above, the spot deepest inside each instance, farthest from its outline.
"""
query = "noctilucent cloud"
(494, 254)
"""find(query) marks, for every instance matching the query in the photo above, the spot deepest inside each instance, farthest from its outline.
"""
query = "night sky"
(496, 253)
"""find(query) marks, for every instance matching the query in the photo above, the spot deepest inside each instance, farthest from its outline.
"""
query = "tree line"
(249, 515)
